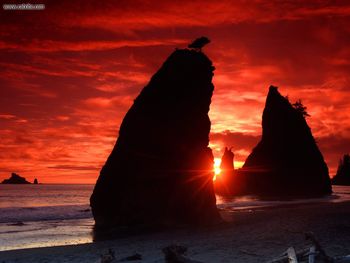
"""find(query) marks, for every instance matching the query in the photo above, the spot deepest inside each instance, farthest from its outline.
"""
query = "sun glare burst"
(217, 169)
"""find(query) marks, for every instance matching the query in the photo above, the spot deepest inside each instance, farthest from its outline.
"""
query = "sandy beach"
(248, 236)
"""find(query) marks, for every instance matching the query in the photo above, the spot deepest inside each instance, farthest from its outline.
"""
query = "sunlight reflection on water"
(340, 194)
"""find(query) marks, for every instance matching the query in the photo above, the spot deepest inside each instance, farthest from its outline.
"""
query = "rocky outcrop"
(343, 173)
(287, 160)
(161, 169)
(35, 181)
(15, 179)
(224, 181)
(227, 164)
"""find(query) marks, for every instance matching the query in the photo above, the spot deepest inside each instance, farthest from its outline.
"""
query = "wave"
(66, 210)
(44, 213)
(253, 202)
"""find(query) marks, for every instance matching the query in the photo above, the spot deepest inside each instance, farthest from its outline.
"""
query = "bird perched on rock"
(198, 43)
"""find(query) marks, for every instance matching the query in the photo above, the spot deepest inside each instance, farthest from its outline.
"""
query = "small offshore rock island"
(161, 168)
(15, 179)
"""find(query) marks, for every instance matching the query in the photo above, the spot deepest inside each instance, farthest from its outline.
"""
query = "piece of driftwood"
(322, 252)
(283, 258)
(344, 259)
(175, 254)
(312, 254)
(136, 256)
(108, 257)
(249, 253)
(310, 236)
(292, 256)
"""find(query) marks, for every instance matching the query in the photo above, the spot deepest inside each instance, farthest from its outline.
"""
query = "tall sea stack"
(287, 160)
(161, 169)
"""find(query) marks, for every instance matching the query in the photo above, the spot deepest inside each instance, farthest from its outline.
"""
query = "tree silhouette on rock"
(298, 105)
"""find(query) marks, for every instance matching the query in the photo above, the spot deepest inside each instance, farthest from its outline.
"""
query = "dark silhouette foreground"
(343, 173)
(161, 169)
(15, 179)
(287, 161)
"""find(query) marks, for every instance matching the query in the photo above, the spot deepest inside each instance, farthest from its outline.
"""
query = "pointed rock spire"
(161, 168)
(287, 159)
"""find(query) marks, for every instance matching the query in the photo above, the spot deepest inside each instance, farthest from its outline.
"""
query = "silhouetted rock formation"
(224, 180)
(287, 160)
(15, 179)
(343, 173)
(227, 164)
(161, 169)
(35, 181)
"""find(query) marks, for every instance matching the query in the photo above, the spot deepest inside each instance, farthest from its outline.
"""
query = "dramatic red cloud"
(69, 74)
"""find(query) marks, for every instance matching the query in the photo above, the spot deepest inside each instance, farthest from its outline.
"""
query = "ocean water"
(52, 215)
(249, 202)
(44, 215)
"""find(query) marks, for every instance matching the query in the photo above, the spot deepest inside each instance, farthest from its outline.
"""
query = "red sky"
(69, 74)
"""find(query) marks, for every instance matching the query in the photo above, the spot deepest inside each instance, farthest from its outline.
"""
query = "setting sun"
(217, 169)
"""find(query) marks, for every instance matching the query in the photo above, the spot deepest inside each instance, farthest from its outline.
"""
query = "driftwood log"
(292, 256)
(309, 255)
(136, 256)
(108, 257)
(345, 259)
(322, 253)
(175, 254)
(312, 254)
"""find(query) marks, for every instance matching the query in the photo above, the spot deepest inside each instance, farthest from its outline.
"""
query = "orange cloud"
(68, 79)
(56, 46)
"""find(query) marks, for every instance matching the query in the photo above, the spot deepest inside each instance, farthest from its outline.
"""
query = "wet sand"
(248, 236)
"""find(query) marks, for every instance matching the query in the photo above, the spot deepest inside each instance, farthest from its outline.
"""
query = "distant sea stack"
(287, 160)
(35, 181)
(161, 169)
(224, 181)
(343, 173)
(15, 179)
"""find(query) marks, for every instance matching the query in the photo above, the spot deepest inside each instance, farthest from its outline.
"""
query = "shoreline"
(247, 236)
